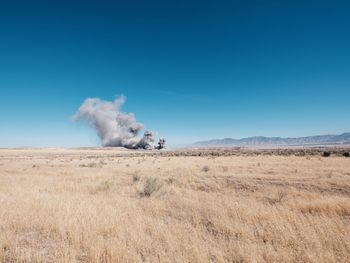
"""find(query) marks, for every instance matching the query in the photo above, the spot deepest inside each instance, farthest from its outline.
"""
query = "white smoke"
(115, 128)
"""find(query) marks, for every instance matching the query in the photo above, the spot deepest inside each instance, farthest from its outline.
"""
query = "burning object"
(114, 127)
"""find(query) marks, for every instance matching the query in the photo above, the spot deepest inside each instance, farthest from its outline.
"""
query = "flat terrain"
(111, 205)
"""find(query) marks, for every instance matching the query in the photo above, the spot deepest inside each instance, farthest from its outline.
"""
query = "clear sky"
(191, 70)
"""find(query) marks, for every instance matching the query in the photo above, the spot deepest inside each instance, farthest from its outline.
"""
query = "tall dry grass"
(99, 206)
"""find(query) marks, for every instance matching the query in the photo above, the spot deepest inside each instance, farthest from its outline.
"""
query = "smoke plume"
(114, 128)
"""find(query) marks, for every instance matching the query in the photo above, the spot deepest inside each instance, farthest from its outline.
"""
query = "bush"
(205, 169)
(90, 165)
(326, 154)
(281, 195)
(104, 186)
(136, 177)
(151, 186)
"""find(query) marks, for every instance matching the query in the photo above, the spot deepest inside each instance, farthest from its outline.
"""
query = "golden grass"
(107, 206)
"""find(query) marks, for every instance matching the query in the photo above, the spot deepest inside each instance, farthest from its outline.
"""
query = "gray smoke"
(115, 128)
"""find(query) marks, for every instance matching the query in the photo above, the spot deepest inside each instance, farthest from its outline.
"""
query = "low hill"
(261, 141)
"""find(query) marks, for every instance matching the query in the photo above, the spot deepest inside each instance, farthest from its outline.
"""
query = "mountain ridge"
(317, 140)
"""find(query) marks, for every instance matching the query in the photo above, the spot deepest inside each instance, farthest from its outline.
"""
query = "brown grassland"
(111, 205)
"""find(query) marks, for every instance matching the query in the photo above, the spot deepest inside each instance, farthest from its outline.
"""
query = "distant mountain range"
(262, 142)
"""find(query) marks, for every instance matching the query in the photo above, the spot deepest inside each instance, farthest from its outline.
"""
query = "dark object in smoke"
(326, 154)
(133, 131)
(346, 154)
(161, 144)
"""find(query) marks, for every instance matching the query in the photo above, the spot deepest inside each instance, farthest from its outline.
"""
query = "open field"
(111, 205)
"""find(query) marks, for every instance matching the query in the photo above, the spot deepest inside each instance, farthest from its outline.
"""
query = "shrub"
(90, 165)
(170, 180)
(105, 186)
(326, 154)
(281, 195)
(151, 186)
(136, 177)
(205, 169)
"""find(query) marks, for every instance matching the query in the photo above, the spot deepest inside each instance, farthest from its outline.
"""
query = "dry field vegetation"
(96, 205)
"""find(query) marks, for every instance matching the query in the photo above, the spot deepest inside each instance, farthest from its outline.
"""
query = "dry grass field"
(96, 205)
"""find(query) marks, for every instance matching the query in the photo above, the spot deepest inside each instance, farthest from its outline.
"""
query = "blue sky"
(191, 70)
